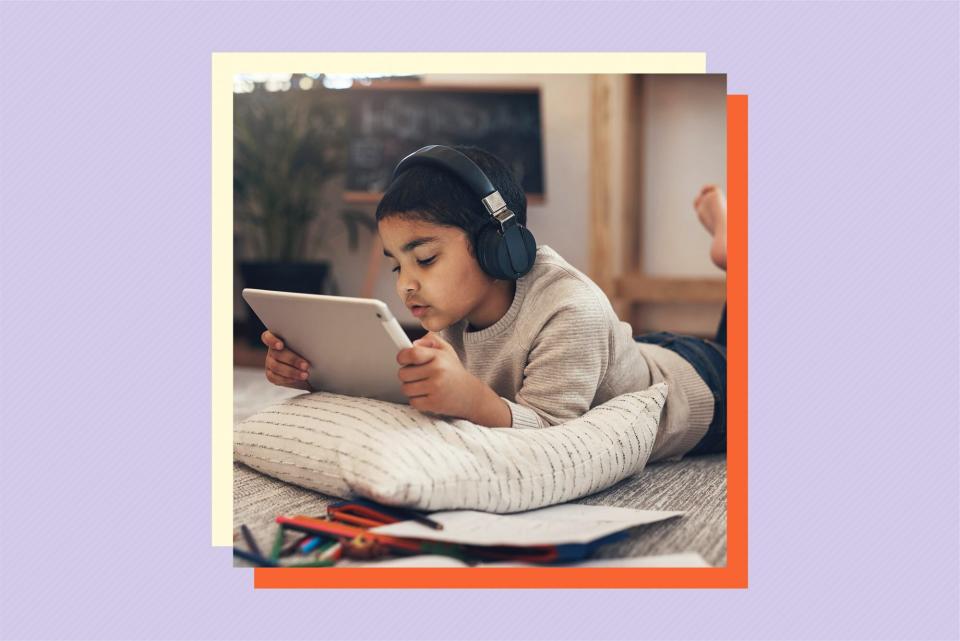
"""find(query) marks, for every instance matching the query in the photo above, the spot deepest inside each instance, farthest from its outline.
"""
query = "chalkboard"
(387, 123)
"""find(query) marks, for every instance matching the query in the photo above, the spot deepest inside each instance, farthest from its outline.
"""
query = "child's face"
(435, 269)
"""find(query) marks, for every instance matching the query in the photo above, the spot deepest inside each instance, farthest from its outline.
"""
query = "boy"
(534, 351)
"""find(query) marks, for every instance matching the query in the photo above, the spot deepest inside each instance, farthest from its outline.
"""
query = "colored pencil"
(312, 564)
(419, 518)
(366, 513)
(292, 547)
(310, 545)
(277, 544)
(332, 552)
(253, 558)
(332, 529)
(251, 542)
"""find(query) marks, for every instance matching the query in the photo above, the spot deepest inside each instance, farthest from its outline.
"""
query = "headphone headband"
(468, 171)
(451, 160)
(510, 251)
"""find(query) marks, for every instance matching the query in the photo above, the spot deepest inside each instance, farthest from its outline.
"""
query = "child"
(535, 351)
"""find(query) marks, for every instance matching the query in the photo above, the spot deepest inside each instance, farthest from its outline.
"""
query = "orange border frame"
(734, 575)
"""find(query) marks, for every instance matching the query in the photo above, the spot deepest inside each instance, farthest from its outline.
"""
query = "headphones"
(505, 249)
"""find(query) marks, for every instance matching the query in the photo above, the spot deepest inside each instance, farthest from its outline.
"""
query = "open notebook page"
(555, 525)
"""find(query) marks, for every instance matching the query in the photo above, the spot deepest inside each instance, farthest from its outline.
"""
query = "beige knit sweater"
(560, 350)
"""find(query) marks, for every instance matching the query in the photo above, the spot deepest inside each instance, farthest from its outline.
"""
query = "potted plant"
(289, 150)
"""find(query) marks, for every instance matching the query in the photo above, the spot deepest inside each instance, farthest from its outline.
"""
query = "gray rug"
(697, 486)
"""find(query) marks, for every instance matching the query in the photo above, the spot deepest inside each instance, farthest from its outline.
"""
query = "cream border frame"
(224, 67)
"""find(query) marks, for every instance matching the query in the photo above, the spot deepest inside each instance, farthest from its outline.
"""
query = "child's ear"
(468, 239)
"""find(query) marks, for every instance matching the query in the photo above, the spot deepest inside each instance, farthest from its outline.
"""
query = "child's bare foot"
(711, 206)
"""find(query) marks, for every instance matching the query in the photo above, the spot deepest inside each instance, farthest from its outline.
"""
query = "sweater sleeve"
(567, 361)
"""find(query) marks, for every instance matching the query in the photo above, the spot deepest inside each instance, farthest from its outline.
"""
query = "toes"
(706, 189)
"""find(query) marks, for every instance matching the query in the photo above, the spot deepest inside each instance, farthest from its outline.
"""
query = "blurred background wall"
(664, 138)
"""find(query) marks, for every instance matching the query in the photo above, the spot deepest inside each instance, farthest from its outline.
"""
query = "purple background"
(105, 198)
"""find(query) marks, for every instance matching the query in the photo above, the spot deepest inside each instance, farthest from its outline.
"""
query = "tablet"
(350, 343)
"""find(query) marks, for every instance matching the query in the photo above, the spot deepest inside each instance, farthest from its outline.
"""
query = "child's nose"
(407, 285)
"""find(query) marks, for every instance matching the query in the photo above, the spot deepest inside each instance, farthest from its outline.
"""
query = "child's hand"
(285, 367)
(435, 380)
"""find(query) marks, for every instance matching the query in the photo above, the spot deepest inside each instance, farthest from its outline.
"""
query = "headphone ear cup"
(494, 252)
(530, 244)
(514, 254)
(486, 245)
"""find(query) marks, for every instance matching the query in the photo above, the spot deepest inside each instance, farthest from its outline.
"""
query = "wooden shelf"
(640, 288)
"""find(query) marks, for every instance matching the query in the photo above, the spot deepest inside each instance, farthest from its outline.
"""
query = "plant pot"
(300, 277)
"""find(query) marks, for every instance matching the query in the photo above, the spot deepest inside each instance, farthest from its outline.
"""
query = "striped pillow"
(348, 446)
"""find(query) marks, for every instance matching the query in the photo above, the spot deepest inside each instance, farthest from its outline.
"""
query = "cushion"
(394, 454)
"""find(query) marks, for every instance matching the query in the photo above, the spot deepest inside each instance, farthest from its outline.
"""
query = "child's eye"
(425, 261)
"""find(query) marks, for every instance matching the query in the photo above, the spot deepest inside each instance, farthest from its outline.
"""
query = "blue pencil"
(310, 545)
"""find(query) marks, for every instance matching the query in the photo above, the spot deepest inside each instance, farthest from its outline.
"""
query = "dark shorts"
(709, 359)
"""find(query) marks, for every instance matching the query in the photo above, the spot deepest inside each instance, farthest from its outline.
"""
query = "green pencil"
(313, 564)
(277, 544)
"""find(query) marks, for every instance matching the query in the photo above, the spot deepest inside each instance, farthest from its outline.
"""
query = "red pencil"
(327, 528)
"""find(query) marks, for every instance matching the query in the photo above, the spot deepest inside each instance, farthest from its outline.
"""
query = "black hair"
(437, 196)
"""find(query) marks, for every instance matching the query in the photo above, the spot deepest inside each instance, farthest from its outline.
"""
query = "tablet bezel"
(351, 343)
